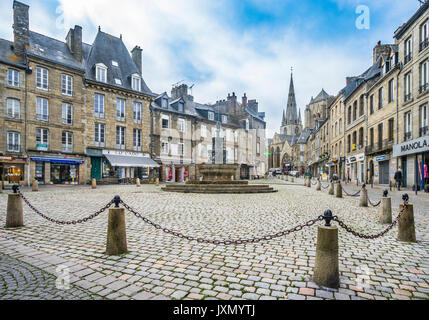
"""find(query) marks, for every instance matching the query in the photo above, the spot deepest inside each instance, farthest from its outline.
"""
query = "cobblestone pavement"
(159, 266)
(22, 281)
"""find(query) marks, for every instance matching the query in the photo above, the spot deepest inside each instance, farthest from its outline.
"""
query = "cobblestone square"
(161, 266)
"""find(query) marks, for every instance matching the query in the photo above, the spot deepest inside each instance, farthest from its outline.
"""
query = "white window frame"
(203, 131)
(137, 139)
(137, 112)
(41, 134)
(391, 88)
(118, 82)
(224, 119)
(100, 134)
(409, 124)
(99, 105)
(67, 85)
(211, 116)
(408, 86)
(13, 108)
(181, 125)
(164, 103)
(136, 84)
(424, 31)
(42, 78)
(424, 73)
(67, 113)
(120, 109)
(115, 63)
(101, 73)
(68, 145)
(120, 137)
(42, 109)
(424, 121)
(181, 149)
(409, 46)
(165, 147)
(13, 77)
(165, 117)
(15, 144)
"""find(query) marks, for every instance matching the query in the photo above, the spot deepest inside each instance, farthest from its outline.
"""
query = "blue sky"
(230, 46)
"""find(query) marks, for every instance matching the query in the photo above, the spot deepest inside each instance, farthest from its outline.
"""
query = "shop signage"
(382, 158)
(125, 153)
(358, 158)
(42, 147)
(5, 158)
(411, 147)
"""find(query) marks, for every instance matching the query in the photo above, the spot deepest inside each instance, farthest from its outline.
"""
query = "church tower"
(291, 123)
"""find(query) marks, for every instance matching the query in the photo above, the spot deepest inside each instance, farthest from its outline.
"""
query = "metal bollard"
(138, 184)
(331, 188)
(326, 266)
(94, 184)
(35, 186)
(14, 213)
(339, 193)
(385, 216)
(319, 185)
(406, 228)
(363, 202)
(116, 232)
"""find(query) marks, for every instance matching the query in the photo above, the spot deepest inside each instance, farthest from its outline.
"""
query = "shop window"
(40, 172)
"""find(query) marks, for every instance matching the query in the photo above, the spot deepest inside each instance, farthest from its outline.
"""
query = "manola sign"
(411, 147)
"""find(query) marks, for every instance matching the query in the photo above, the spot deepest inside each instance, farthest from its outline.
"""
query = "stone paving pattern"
(159, 266)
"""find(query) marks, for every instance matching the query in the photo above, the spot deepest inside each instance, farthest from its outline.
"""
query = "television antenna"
(177, 83)
(191, 87)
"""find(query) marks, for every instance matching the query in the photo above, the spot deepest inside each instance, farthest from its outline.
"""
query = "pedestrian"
(398, 179)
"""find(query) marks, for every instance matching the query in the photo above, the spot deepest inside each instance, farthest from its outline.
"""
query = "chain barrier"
(222, 242)
(73, 222)
(374, 204)
(350, 195)
(325, 187)
(379, 235)
(314, 183)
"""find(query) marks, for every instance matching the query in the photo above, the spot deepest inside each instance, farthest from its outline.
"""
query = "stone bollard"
(319, 185)
(35, 186)
(14, 213)
(201, 178)
(406, 228)
(1, 186)
(331, 188)
(287, 178)
(309, 182)
(292, 179)
(232, 178)
(326, 266)
(157, 181)
(138, 184)
(94, 184)
(339, 193)
(363, 202)
(386, 209)
(116, 233)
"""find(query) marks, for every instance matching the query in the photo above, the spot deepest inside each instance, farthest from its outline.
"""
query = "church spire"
(291, 109)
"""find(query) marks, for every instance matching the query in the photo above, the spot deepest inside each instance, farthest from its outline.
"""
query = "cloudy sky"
(226, 46)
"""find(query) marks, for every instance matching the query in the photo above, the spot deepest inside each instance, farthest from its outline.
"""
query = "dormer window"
(181, 107)
(164, 103)
(101, 73)
(115, 63)
(118, 81)
(224, 119)
(136, 82)
(211, 116)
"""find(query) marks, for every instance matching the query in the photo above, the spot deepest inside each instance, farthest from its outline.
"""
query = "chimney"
(244, 101)
(137, 57)
(21, 28)
(379, 50)
(349, 80)
(74, 42)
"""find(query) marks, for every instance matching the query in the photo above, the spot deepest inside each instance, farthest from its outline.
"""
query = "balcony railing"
(407, 97)
(99, 115)
(67, 121)
(67, 148)
(137, 148)
(99, 144)
(424, 131)
(424, 87)
(43, 117)
(120, 146)
(408, 58)
(380, 146)
(407, 136)
(13, 148)
(424, 44)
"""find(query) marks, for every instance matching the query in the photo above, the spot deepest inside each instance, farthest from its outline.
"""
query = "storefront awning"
(57, 160)
(131, 162)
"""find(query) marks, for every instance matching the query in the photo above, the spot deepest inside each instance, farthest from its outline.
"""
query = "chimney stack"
(380, 49)
(74, 42)
(137, 57)
(21, 28)
(244, 101)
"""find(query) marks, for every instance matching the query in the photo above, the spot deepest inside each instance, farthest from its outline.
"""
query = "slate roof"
(402, 29)
(8, 56)
(303, 137)
(320, 97)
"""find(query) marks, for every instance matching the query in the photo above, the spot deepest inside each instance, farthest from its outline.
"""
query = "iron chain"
(73, 222)
(350, 195)
(374, 204)
(222, 242)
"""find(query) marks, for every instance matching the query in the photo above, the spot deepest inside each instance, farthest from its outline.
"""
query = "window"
(371, 137)
(408, 50)
(164, 103)
(101, 73)
(42, 143)
(136, 83)
(423, 120)
(391, 90)
(67, 139)
(13, 108)
(165, 122)
(181, 125)
(371, 104)
(67, 113)
(42, 112)
(13, 142)
(181, 149)
(391, 129)
(354, 138)
(380, 135)
(99, 137)
(361, 106)
(355, 110)
(408, 87)
(424, 71)
(42, 78)
(13, 78)
(349, 115)
(181, 107)
(408, 127)
(211, 116)
(164, 147)
(66, 85)
(99, 105)
(137, 139)
(224, 119)
(361, 137)
(120, 138)
(424, 34)
(247, 125)
(203, 131)
(118, 81)
(258, 147)
(341, 126)
(120, 109)
(115, 63)
(380, 98)
(137, 112)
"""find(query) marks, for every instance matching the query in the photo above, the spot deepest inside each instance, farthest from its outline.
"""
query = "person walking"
(398, 179)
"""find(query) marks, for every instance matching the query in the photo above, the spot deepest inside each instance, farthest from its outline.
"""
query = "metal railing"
(408, 58)
(423, 88)
(424, 44)
(423, 131)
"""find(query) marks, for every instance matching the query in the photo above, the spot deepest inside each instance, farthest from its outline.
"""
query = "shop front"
(355, 168)
(174, 172)
(413, 159)
(382, 169)
(52, 170)
(12, 170)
